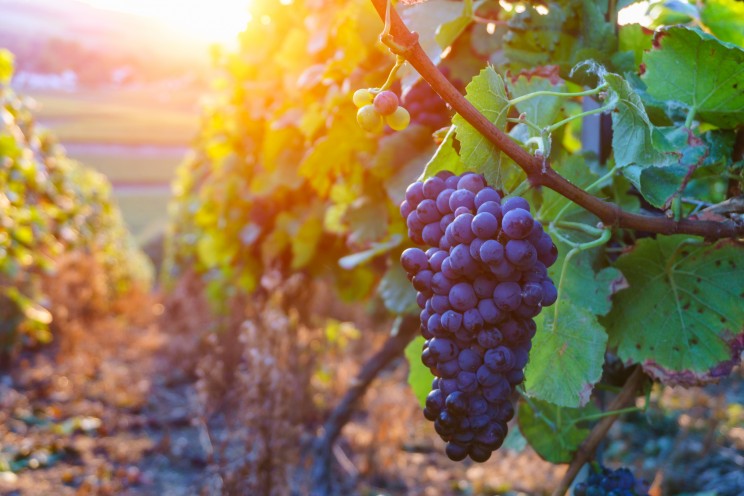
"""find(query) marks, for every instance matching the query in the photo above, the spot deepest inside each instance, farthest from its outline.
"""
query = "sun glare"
(215, 20)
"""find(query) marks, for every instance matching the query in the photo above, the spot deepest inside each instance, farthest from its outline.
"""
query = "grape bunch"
(606, 482)
(377, 109)
(479, 285)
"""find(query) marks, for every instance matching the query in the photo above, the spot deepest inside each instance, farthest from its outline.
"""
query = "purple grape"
(447, 269)
(451, 182)
(491, 252)
(432, 234)
(475, 248)
(421, 300)
(490, 312)
(462, 198)
(460, 258)
(427, 211)
(521, 253)
(415, 193)
(435, 260)
(491, 207)
(443, 201)
(440, 303)
(462, 297)
(432, 187)
(443, 349)
(499, 359)
(449, 369)
(485, 226)
(532, 293)
(414, 260)
(500, 391)
(446, 221)
(517, 223)
(487, 377)
(469, 360)
(504, 271)
(514, 202)
(483, 285)
(451, 320)
(462, 211)
(422, 281)
(440, 284)
(507, 296)
(435, 400)
(472, 320)
(485, 195)
(471, 182)
(405, 209)
(461, 229)
(550, 293)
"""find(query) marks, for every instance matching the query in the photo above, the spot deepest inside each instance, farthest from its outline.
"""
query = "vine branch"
(340, 416)
(405, 43)
(587, 448)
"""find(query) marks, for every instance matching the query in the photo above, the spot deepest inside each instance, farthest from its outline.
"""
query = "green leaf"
(567, 355)
(725, 19)
(397, 292)
(550, 429)
(634, 38)
(445, 158)
(700, 71)
(449, 31)
(488, 94)
(683, 311)
(419, 376)
(351, 261)
(368, 219)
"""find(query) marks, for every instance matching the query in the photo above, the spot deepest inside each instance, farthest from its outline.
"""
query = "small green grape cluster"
(377, 109)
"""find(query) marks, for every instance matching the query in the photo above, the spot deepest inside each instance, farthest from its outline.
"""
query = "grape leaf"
(636, 39)
(682, 316)
(354, 260)
(657, 160)
(698, 70)
(445, 158)
(567, 355)
(725, 19)
(448, 32)
(552, 430)
(419, 376)
(396, 291)
(488, 94)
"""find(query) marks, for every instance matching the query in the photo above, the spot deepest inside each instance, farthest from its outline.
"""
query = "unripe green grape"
(399, 119)
(386, 102)
(362, 97)
(369, 119)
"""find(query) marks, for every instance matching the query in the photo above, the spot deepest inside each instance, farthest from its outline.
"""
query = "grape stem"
(536, 94)
(403, 42)
(587, 448)
(399, 61)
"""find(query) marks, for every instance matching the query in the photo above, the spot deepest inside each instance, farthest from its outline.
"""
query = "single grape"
(514, 202)
(517, 223)
(433, 187)
(521, 253)
(485, 225)
(471, 182)
(462, 297)
(369, 119)
(386, 102)
(399, 119)
(414, 260)
(362, 97)
(415, 193)
(485, 195)
(462, 198)
(491, 252)
(507, 296)
(461, 228)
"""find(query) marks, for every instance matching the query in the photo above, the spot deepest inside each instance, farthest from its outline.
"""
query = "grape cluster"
(479, 286)
(426, 107)
(377, 109)
(606, 482)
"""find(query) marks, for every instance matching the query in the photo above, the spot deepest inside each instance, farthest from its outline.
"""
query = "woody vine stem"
(404, 43)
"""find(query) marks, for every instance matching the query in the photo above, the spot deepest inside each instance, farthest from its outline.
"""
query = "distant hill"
(58, 35)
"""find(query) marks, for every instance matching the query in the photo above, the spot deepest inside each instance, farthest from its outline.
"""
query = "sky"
(209, 20)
